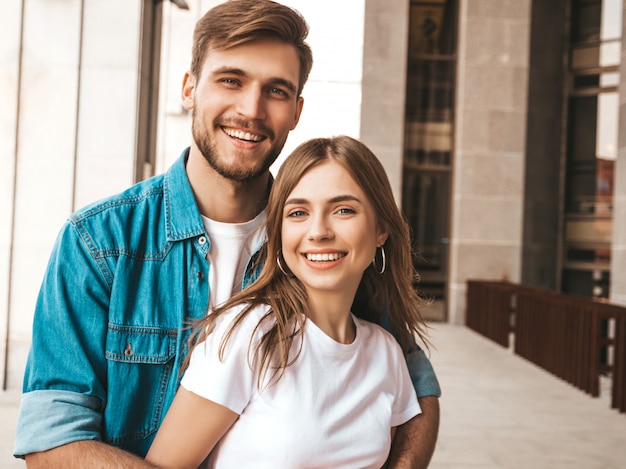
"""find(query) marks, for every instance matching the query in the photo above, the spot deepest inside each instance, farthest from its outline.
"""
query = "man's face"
(243, 106)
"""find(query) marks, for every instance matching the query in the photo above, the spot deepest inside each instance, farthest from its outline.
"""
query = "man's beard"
(232, 172)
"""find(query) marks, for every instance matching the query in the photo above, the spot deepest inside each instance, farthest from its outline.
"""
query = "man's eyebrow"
(286, 83)
(334, 200)
(226, 70)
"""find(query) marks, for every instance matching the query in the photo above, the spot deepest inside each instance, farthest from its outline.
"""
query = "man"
(129, 273)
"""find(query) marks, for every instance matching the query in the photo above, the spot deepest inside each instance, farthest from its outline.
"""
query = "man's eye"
(229, 81)
(279, 92)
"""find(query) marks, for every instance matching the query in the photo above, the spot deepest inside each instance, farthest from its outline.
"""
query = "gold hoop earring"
(280, 264)
(382, 255)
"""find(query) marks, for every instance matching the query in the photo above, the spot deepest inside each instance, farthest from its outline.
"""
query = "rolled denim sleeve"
(63, 390)
(422, 374)
(48, 419)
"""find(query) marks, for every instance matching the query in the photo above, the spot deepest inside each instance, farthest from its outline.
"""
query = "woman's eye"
(296, 214)
(346, 211)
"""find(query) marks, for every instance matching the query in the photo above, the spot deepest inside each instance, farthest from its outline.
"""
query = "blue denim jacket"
(125, 275)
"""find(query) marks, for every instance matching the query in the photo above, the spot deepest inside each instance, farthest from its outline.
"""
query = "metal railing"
(574, 338)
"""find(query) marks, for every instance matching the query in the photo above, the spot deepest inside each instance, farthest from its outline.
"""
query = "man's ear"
(189, 87)
(299, 105)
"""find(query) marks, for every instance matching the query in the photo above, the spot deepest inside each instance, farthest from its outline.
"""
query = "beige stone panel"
(492, 175)
(381, 76)
(518, 37)
(508, 131)
(519, 88)
(488, 261)
(383, 101)
(386, 29)
(618, 279)
(490, 220)
(619, 221)
(457, 302)
(487, 41)
(384, 137)
(618, 299)
(494, 87)
(391, 158)
(500, 9)
(384, 84)
(474, 131)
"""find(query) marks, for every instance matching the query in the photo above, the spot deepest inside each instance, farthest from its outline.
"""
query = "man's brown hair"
(238, 22)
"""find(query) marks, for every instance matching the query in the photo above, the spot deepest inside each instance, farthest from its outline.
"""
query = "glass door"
(427, 169)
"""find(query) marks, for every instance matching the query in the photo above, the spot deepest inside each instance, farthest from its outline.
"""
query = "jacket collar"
(182, 216)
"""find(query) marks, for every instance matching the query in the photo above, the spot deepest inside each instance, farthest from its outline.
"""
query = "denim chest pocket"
(140, 366)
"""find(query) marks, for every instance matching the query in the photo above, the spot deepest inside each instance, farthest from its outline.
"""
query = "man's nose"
(251, 104)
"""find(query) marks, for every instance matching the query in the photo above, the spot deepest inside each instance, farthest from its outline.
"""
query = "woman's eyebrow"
(336, 199)
(296, 201)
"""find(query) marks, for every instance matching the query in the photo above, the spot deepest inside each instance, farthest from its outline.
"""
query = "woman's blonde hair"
(387, 297)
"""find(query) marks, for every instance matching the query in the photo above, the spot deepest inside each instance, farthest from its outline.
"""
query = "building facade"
(499, 124)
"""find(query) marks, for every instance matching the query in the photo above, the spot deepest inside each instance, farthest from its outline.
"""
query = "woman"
(293, 371)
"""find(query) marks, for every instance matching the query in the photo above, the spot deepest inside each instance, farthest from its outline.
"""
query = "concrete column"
(490, 130)
(385, 54)
(618, 253)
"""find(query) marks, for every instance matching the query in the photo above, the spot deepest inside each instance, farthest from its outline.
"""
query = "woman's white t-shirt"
(333, 408)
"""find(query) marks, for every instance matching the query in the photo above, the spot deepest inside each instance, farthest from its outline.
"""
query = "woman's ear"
(381, 238)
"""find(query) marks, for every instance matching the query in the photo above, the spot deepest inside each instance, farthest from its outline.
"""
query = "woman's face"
(329, 230)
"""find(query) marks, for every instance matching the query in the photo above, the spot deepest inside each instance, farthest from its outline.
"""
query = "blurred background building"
(498, 122)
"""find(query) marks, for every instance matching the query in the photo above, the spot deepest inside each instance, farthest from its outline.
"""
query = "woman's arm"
(192, 427)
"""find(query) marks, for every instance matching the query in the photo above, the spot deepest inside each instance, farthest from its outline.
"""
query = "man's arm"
(87, 453)
(414, 443)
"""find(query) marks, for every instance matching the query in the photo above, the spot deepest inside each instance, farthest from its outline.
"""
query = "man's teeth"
(243, 135)
(324, 257)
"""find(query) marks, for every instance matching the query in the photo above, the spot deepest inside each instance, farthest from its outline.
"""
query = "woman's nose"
(320, 229)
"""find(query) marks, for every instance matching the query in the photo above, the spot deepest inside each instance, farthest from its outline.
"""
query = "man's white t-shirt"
(232, 245)
(333, 408)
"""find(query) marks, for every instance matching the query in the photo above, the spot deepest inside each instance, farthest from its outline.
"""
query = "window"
(428, 141)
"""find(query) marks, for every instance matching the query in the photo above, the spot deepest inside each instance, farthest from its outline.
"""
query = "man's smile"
(243, 135)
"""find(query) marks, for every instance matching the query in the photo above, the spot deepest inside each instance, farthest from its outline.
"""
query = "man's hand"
(82, 454)
(414, 443)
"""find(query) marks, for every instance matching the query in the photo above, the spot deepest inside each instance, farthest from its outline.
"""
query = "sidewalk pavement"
(497, 411)
(9, 405)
